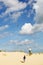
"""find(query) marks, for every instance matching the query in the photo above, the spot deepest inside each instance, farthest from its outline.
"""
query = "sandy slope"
(16, 58)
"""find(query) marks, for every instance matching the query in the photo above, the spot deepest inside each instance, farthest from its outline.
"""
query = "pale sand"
(16, 58)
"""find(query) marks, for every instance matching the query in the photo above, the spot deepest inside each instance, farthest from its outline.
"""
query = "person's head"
(29, 49)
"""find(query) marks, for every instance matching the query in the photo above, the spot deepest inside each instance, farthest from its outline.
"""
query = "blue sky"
(21, 25)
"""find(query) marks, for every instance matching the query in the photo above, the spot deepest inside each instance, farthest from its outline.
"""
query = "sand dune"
(16, 58)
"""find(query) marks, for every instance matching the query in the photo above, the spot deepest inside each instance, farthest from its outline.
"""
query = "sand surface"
(16, 58)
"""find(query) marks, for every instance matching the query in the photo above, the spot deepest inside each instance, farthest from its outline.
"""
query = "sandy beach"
(16, 58)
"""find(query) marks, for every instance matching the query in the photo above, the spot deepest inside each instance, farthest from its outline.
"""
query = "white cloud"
(38, 28)
(3, 27)
(28, 28)
(5, 34)
(39, 11)
(14, 5)
(15, 15)
(26, 41)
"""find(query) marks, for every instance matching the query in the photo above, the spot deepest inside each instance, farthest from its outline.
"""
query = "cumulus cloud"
(3, 27)
(26, 41)
(39, 11)
(28, 28)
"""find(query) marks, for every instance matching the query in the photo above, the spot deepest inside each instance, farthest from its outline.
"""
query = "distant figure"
(24, 58)
(30, 52)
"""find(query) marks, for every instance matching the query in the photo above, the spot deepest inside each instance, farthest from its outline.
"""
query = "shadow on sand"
(22, 61)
